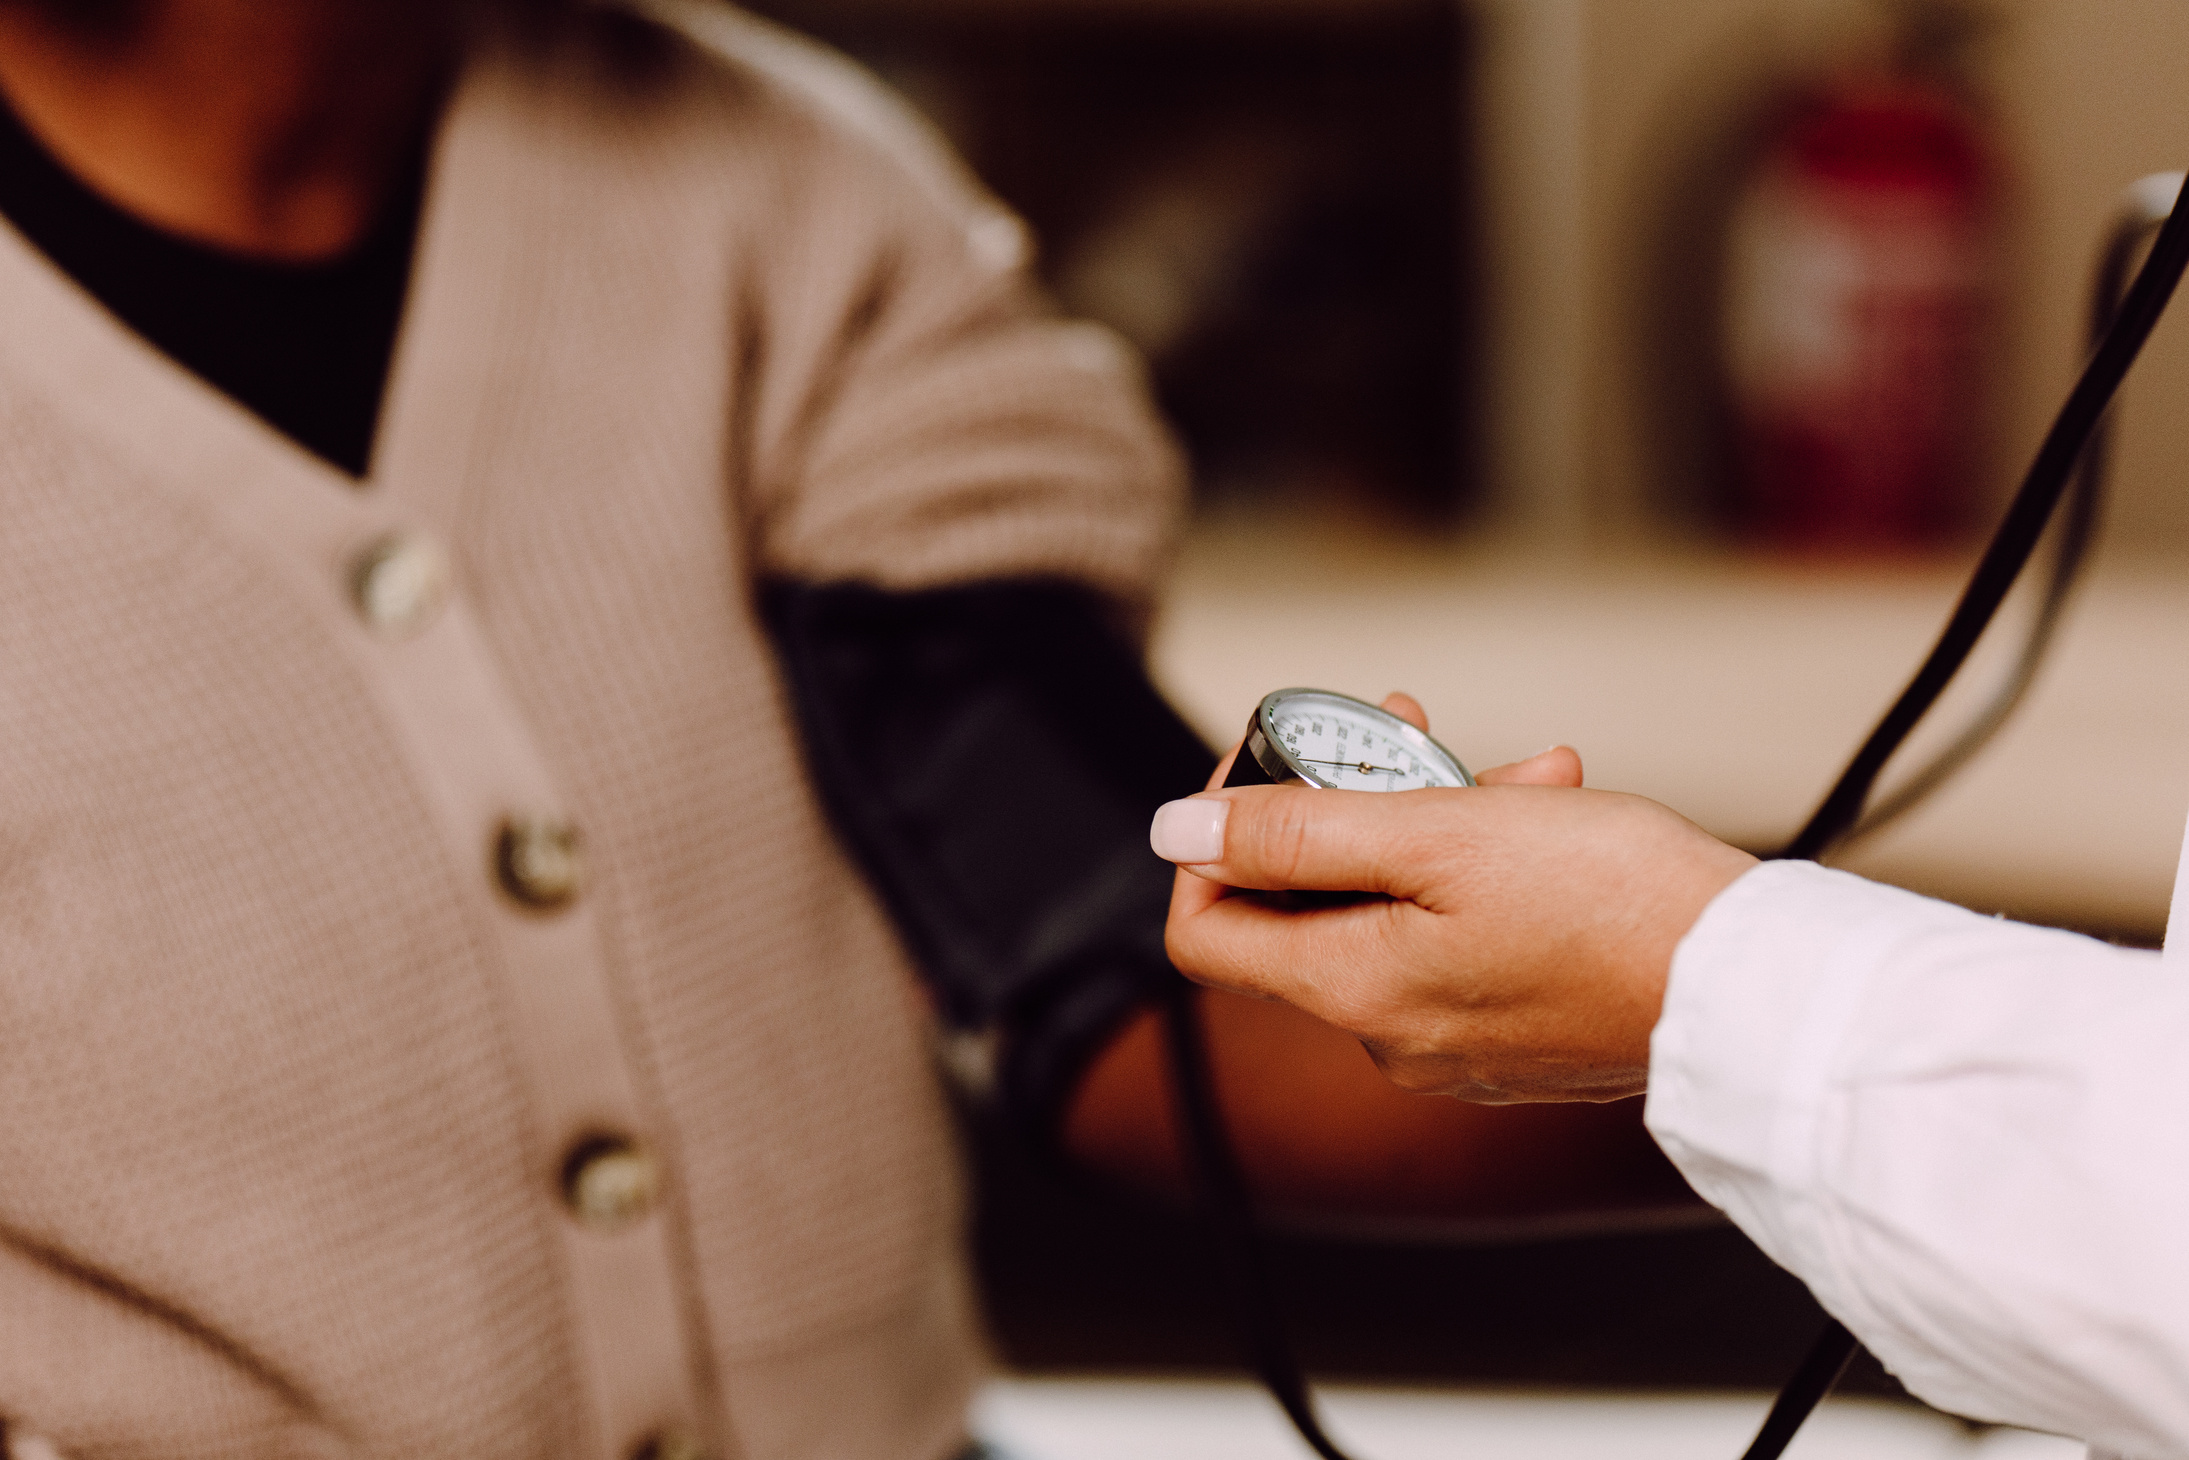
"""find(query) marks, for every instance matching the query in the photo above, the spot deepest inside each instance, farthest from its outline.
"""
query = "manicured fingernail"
(1189, 832)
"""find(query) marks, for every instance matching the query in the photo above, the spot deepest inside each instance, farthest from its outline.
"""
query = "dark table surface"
(1082, 1277)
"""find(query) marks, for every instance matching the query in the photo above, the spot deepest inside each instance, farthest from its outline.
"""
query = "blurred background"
(1640, 374)
(1637, 374)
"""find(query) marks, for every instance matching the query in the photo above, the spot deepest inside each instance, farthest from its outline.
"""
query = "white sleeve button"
(399, 584)
(538, 862)
(669, 1445)
(609, 1182)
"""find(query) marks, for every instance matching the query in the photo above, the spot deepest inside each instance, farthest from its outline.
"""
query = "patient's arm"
(1007, 828)
(1322, 1133)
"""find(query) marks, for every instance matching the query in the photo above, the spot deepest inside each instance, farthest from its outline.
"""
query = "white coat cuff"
(1762, 993)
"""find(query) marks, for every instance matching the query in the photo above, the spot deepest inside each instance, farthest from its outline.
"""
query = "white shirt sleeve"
(1969, 1137)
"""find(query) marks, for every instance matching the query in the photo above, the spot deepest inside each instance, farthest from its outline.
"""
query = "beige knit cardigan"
(287, 1085)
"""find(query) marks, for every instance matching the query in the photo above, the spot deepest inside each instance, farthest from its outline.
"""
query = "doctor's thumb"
(1276, 838)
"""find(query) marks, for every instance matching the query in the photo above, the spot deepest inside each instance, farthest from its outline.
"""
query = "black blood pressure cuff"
(992, 754)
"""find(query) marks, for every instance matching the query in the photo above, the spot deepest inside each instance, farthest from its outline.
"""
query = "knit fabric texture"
(291, 1085)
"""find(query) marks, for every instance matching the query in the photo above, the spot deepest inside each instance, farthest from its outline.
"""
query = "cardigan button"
(669, 1445)
(609, 1182)
(538, 862)
(399, 584)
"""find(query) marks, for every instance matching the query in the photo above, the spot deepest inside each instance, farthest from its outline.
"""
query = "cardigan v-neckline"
(305, 345)
(60, 344)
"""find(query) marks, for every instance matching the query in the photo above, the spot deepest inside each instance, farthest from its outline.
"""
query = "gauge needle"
(1356, 765)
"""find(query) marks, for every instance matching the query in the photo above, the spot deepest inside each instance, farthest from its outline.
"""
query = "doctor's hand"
(1519, 948)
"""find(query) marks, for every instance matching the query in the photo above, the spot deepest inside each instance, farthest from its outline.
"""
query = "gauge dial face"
(1346, 744)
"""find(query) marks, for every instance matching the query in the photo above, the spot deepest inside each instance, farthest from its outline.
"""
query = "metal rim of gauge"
(1265, 743)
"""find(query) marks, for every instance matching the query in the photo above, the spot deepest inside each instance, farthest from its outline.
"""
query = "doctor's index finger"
(1260, 947)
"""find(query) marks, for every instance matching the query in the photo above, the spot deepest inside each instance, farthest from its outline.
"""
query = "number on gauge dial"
(1347, 745)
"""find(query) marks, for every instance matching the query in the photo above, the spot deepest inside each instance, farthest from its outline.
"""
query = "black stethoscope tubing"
(2074, 441)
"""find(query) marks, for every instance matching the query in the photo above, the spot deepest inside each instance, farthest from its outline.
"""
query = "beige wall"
(1598, 117)
(2096, 93)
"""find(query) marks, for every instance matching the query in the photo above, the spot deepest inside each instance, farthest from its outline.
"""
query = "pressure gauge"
(1316, 738)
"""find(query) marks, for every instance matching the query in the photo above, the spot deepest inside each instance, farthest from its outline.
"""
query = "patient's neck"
(272, 128)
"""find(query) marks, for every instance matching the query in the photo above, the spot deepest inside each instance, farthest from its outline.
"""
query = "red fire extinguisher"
(1858, 314)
